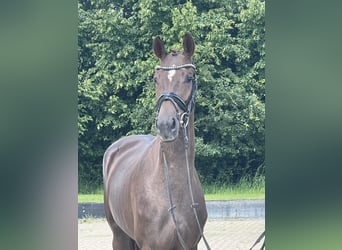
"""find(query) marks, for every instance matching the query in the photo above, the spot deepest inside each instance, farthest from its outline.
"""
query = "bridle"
(186, 106)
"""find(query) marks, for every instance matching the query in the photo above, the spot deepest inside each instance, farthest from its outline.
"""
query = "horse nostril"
(173, 126)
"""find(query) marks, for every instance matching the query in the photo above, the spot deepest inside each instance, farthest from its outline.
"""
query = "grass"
(91, 195)
(245, 189)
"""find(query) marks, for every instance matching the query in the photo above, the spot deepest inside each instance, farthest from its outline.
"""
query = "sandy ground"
(95, 234)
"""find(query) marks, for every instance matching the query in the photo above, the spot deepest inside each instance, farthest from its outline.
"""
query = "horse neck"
(175, 151)
(176, 165)
(175, 156)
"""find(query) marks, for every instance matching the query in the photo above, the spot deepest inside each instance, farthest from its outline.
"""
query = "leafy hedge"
(116, 90)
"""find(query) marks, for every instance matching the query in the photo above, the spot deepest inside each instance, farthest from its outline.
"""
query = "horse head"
(175, 87)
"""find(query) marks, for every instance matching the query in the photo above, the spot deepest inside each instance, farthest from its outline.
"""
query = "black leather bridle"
(186, 106)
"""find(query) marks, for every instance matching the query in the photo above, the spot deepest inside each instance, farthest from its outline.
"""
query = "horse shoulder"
(124, 149)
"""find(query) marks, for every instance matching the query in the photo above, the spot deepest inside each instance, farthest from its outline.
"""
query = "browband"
(188, 65)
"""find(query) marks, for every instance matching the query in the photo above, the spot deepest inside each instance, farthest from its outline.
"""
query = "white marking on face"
(171, 74)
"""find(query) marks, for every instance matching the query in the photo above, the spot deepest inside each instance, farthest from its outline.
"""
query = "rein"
(187, 108)
(258, 240)
(194, 205)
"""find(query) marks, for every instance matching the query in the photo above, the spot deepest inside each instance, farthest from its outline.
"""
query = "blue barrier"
(231, 209)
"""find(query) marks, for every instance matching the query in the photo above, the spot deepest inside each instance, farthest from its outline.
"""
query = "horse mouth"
(168, 137)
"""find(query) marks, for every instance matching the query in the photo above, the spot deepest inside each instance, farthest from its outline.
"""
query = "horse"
(153, 197)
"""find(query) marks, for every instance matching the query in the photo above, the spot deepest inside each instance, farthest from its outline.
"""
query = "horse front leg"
(121, 241)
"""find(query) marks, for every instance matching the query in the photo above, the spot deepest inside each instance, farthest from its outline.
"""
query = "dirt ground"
(95, 234)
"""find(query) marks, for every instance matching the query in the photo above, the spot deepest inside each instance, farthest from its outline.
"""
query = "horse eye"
(189, 78)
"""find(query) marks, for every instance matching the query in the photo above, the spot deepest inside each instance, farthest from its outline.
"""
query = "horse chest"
(156, 229)
(153, 215)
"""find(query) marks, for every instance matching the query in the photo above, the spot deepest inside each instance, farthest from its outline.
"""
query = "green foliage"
(116, 91)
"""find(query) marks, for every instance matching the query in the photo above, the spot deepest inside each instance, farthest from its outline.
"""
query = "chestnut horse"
(152, 194)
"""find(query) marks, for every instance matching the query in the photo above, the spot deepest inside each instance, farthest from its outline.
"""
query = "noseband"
(186, 106)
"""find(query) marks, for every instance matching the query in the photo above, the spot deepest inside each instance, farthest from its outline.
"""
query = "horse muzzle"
(167, 128)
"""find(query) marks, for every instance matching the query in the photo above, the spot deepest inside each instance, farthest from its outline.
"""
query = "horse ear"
(188, 45)
(158, 48)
